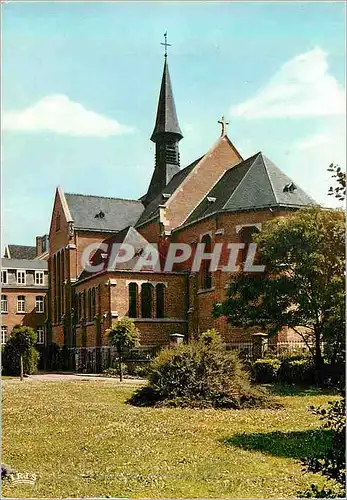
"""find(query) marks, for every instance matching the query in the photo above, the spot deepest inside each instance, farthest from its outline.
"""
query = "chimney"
(41, 245)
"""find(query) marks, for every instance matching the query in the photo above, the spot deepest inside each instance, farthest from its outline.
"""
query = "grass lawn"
(81, 439)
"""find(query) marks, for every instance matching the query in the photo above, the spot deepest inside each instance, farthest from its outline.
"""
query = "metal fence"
(97, 359)
(292, 346)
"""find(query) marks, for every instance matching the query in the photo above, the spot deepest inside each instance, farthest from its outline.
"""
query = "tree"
(22, 341)
(123, 335)
(332, 464)
(338, 191)
(335, 331)
(302, 286)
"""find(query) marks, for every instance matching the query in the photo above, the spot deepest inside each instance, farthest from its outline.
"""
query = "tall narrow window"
(80, 300)
(40, 334)
(21, 303)
(39, 304)
(146, 300)
(133, 313)
(4, 303)
(3, 334)
(93, 303)
(206, 276)
(89, 304)
(57, 223)
(54, 287)
(39, 276)
(58, 287)
(20, 277)
(160, 296)
(55, 310)
(4, 277)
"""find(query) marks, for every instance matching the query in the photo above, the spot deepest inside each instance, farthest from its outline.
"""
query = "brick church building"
(219, 198)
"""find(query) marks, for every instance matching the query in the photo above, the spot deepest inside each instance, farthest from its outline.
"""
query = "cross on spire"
(224, 124)
(166, 45)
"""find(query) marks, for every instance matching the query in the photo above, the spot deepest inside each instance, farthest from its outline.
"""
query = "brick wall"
(30, 317)
(199, 182)
(114, 303)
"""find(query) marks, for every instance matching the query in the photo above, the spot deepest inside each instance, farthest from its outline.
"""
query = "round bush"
(296, 371)
(200, 374)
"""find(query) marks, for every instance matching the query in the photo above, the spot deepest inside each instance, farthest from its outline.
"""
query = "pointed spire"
(166, 121)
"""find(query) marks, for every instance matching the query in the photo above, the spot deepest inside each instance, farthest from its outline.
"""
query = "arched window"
(57, 222)
(62, 270)
(205, 274)
(160, 296)
(93, 304)
(80, 307)
(89, 305)
(133, 309)
(58, 276)
(246, 237)
(146, 300)
(54, 286)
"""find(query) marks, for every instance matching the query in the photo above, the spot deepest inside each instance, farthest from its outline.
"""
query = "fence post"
(259, 344)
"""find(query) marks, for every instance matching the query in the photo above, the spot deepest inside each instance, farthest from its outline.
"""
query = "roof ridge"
(269, 177)
(104, 197)
(243, 178)
(19, 245)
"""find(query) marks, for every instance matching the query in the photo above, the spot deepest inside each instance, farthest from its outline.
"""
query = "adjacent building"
(24, 285)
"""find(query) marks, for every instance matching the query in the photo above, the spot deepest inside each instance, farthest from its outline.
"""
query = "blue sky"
(81, 82)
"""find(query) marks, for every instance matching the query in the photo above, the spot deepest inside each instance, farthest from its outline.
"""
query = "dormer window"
(100, 215)
(289, 188)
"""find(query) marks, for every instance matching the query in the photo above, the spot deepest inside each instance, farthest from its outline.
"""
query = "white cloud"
(301, 87)
(57, 113)
(311, 156)
(314, 141)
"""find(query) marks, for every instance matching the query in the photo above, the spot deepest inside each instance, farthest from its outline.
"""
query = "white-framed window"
(4, 303)
(39, 277)
(3, 334)
(21, 303)
(39, 304)
(21, 277)
(4, 277)
(40, 334)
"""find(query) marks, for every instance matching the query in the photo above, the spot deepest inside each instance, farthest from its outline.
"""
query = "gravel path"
(62, 377)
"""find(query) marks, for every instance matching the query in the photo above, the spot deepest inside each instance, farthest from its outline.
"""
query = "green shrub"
(114, 372)
(11, 362)
(265, 370)
(136, 369)
(331, 464)
(296, 370)
(200, 374)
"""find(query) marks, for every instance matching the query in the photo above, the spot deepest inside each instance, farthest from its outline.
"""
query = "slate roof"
(21, 252)
(166, 114)
(252, 184)
(152, 209)
(100, 213)
(128, 236)
(24, 264)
